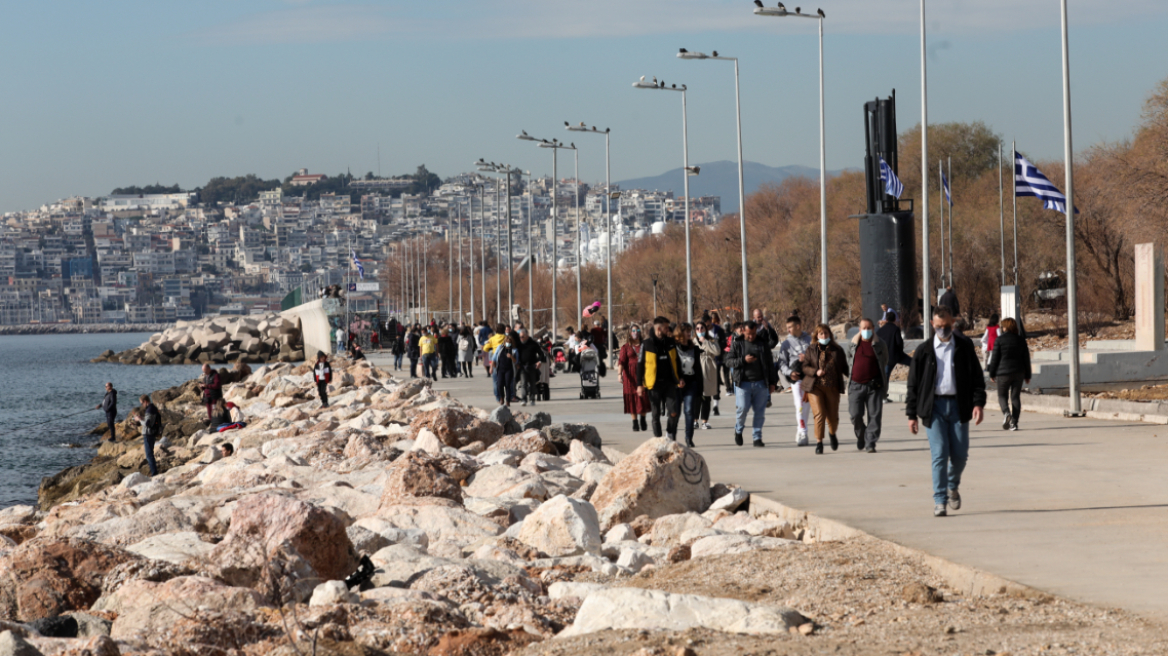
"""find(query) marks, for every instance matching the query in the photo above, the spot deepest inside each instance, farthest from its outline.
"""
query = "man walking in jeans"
(754, 379)
(946, 389)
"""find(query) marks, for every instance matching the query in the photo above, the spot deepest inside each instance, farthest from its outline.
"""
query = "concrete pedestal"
(1149, 298)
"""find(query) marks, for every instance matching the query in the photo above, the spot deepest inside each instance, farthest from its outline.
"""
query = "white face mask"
(866, 334)
(823, 341)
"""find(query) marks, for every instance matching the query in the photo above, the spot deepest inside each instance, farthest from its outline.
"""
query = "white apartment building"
(147, 202)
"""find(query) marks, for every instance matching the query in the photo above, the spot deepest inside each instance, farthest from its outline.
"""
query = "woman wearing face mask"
(824, 371)
(635, 405)
(689, 362)
(711, 353)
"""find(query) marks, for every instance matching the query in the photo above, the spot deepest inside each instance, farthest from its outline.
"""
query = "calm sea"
(49, 376)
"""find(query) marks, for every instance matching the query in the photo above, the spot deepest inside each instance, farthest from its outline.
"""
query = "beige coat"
(710, 351)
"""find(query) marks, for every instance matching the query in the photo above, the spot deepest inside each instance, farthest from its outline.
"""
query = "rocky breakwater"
(476, 532)
(252, 338)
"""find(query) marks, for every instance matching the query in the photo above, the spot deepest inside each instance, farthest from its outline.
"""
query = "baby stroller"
(560, 357)
(589, 374)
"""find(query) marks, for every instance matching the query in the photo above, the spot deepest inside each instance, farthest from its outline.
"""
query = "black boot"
(636, 425)
(644, 424)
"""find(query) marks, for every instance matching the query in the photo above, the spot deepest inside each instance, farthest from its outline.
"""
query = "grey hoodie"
(789, 351)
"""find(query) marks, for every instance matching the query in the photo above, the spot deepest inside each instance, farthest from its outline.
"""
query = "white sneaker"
(801, 439)
(706, 426)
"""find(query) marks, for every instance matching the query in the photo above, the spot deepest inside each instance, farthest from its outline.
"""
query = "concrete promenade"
(1075, 507)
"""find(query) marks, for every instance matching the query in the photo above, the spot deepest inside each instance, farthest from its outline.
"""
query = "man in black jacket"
(755, 378)
(110, 405)
(530, 355)
(889, 333)
(946, 389)
(151, 421)
(659, 377)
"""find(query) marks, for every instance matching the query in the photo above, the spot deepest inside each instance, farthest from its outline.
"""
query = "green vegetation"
(240, 190)
(148, 189)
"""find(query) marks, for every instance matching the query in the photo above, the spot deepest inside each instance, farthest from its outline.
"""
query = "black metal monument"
(888, 263)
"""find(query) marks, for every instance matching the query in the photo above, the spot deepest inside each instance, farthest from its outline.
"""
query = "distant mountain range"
(721, 179)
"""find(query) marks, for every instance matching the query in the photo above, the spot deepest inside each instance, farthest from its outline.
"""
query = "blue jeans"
(691, 402)
(949, 445)
(397, 361)
(430, 365)
(504, 386)
(148, 444)
(751, 395)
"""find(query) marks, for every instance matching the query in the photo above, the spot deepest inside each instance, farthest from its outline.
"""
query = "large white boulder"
(653, 610)
(506, 481)
(174, 548)
(562, 527)
(660, 478)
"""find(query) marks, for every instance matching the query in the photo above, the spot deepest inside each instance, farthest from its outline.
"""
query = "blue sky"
(102, 94)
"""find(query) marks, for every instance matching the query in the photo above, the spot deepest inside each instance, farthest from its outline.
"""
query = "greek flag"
(945, 184)
(1029, 181)
(357, 263)
(892, 185)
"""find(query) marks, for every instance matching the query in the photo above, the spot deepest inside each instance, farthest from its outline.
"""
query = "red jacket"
(322, 372)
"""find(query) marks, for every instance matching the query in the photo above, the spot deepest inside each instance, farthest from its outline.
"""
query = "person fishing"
(151, 422)
(110, 405)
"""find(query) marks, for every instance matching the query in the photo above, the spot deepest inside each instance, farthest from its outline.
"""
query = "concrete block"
(1149, 298)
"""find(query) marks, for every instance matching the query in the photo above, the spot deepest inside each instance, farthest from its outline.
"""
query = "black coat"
(759, 348)
(1011, 355)
(109, 403)
(889, 333)
(922, 376)
(530, 354)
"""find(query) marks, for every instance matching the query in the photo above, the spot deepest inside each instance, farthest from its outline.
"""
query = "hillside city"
(140, 258)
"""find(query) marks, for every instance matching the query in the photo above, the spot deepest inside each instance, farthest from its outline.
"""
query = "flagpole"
(1002, 212)
(941, 202)
(926, 301)
(1076, 409)
(949, 202)
(1014, 186)
(461, 316)
(470, 245)
(449, 276)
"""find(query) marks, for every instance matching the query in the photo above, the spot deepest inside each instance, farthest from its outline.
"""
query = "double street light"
(781, 12)
(555, 146)
(607, 218)
(685, 54)
(686, 172)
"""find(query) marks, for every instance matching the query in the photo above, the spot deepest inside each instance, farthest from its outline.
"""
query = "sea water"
(46, 377)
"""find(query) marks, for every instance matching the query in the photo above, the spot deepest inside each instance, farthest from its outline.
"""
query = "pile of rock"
(252, 338)
(477, 531)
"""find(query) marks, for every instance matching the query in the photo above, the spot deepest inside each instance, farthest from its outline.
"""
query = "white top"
(945, 383)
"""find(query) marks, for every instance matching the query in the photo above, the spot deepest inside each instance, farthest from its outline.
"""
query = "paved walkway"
(1076, 507)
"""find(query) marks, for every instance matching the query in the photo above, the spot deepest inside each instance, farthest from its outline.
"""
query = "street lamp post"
(686, 172)
(781, 12)
(654, 296)
(555, 145)
(685, 54)
(508, 170)
(607, 220)
(1076, 409)
(530, 253)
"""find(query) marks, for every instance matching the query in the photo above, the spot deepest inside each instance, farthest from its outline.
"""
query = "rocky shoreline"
(217, 340)
(481, 532)
(76, 328)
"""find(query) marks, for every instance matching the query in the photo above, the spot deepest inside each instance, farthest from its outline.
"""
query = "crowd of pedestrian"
(673, 376)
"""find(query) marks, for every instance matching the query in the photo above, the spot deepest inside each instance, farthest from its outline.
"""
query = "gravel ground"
(865, 598)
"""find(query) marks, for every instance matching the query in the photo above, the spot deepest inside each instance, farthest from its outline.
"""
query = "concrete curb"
(968, 580)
